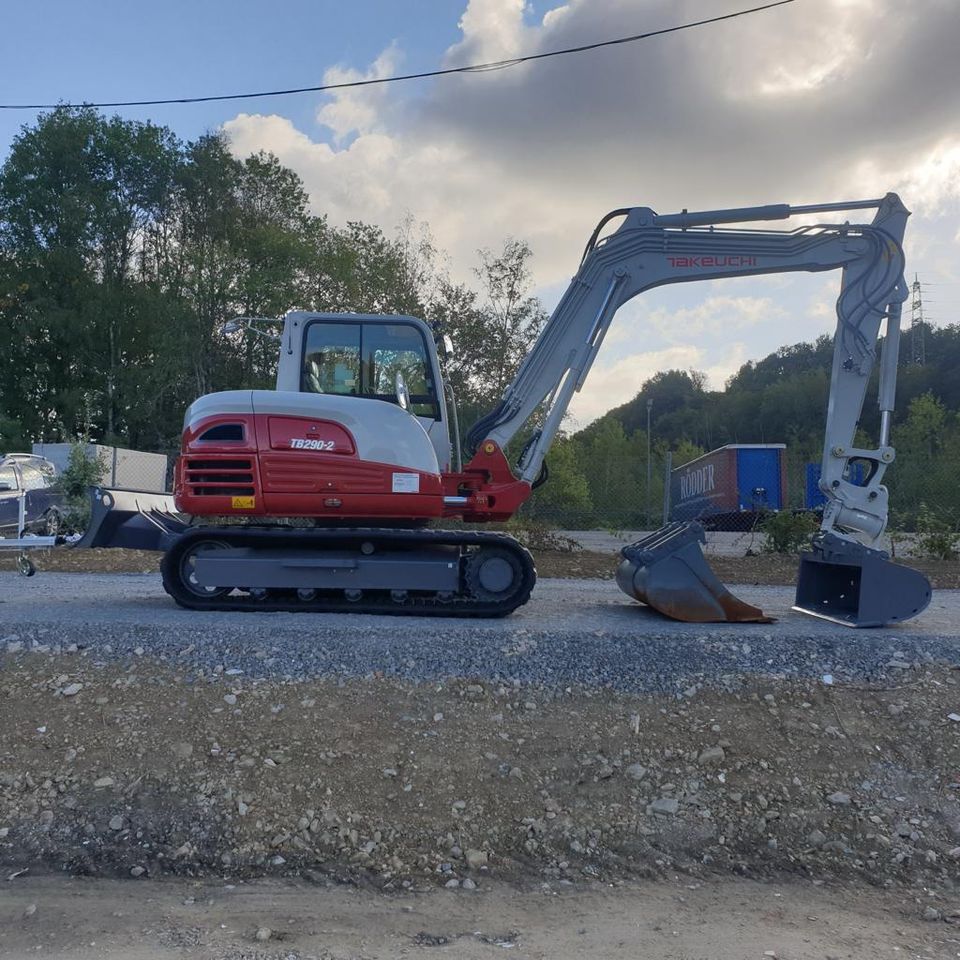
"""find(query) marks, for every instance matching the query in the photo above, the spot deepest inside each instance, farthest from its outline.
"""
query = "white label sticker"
(406, 483)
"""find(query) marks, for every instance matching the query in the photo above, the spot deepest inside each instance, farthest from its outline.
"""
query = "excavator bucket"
(131, 518)
(667, 571)
(854, 585)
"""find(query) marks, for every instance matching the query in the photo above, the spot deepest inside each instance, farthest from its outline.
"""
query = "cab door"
(385, 358)
(40, 496)
(9, 497)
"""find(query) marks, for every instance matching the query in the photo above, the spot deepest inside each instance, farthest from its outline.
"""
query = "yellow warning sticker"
(243, 503)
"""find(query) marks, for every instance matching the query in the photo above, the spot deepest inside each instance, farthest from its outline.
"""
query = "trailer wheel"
(52, 523)
(25, 566)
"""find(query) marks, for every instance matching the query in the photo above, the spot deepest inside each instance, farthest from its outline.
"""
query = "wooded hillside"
(123, 250)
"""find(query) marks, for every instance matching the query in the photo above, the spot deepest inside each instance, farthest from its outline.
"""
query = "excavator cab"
(374, 357)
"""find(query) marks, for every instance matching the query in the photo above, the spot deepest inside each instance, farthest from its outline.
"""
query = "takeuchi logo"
(728, 261)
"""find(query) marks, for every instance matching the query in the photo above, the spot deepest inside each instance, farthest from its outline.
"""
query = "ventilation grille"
(220, 478)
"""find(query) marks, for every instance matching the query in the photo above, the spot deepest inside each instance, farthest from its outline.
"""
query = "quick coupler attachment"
(667, 571)
(846, 582)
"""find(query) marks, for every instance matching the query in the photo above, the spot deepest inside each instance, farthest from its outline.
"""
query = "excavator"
(330, 492)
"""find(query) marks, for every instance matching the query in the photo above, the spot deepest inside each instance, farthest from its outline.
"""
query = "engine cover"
(278, 453)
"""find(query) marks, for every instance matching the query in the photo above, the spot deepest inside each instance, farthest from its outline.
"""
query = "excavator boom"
(649, 250)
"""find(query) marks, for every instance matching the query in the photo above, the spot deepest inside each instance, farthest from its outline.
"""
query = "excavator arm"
(845, 578)
(650, 250)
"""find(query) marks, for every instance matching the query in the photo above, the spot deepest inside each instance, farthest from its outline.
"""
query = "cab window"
(363, 359)
(8, 479)
(332, 359)
(33, 478)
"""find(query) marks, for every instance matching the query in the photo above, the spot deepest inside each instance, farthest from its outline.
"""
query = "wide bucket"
(667, 571)
(851, 584)
(135, 519)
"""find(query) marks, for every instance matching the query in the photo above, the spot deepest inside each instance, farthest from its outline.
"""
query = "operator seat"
(312, 376)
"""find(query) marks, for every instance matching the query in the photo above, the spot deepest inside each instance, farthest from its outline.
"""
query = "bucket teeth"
(667, 571)
(131, 518)
(846, 582)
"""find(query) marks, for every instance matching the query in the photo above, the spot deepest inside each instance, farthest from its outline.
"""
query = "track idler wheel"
(493, 573)
(187, 570)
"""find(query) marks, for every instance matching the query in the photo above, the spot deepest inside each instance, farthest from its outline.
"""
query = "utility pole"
(917, 346)
(649, 462)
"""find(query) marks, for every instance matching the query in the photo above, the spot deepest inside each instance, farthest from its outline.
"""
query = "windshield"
(363, 359)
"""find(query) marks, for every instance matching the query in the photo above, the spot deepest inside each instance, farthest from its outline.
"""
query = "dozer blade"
(132, 519)
(667, 571)
(848, 583)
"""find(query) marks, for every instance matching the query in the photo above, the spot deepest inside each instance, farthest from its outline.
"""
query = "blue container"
(760, 478)
(813, 496)
(737, 478)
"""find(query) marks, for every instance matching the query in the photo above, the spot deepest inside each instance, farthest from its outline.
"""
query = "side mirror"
(4, 485)
(447, 345)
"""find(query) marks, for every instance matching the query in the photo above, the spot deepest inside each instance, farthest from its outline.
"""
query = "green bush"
(538, 535)
(82, 472)
(937, 536)
(787, 531)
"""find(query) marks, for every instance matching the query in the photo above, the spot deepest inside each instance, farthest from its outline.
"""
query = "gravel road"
(720, 543)
(573, 632)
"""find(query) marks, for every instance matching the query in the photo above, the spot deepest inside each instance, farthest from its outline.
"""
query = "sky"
(818, 101)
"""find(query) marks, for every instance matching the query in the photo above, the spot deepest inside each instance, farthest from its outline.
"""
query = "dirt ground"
(147, 811)
(131, 768)
(676, 919)
(581, 564)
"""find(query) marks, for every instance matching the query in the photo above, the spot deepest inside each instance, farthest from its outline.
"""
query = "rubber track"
(418, 606)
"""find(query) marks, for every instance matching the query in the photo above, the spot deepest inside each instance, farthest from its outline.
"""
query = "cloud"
(492, 30)
(622, 379)
(816, 101)
(716, 315)
(359, 109)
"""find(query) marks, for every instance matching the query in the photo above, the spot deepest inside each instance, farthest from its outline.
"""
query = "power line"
(472, 68)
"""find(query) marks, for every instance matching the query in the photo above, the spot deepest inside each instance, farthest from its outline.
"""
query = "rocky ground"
(136, 769)
(575, 746)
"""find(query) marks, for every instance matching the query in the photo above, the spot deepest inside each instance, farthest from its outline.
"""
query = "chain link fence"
(734, 492)
(119, 467)
(746, 497)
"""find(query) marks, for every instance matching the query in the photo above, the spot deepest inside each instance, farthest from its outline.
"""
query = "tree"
(923, 431)
(76, 194)
(492, 331)
(565, 497)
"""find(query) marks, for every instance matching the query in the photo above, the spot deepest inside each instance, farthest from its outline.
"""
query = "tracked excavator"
(355, 442)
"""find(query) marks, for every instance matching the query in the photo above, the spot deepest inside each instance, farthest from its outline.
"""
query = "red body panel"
(288, 466)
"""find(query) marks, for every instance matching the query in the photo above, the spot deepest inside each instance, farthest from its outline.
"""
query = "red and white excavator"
(357, 438)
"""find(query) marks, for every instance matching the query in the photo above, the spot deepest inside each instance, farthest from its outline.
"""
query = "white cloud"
(621, 380)
(716, 315)
(816, 101)
(492, 30)
(359, 109)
